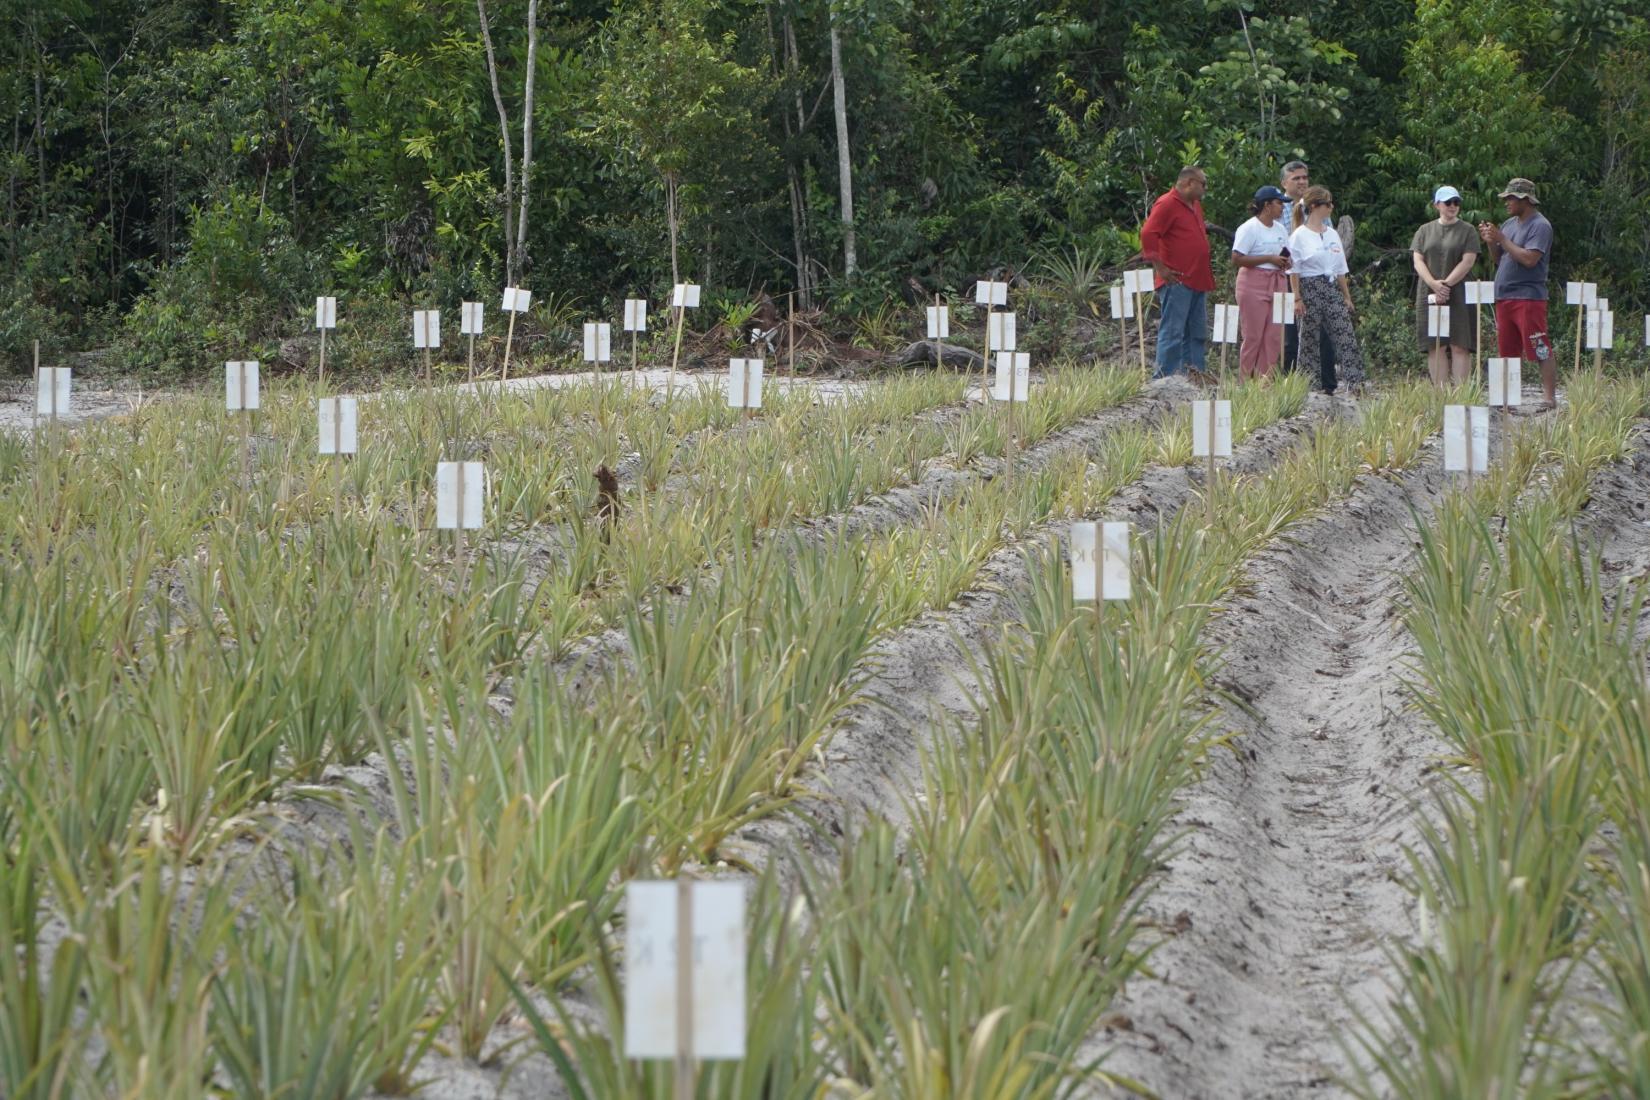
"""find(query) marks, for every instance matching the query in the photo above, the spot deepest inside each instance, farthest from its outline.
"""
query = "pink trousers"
(1262, 340)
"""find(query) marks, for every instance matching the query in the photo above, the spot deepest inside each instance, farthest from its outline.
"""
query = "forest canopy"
(184, 176)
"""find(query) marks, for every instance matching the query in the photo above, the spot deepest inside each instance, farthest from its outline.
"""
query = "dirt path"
(1277, 903)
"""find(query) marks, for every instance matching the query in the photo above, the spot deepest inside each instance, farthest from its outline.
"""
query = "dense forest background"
(182, 177)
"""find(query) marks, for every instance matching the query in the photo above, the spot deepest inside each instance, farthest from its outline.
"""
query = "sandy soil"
(17, 405)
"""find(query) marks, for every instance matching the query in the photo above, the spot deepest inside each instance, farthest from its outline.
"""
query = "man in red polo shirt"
(1177, 244)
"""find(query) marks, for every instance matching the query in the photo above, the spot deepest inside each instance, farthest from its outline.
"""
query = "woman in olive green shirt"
(1444, 252)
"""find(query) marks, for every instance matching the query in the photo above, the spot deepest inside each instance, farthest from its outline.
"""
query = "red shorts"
(1516, 320)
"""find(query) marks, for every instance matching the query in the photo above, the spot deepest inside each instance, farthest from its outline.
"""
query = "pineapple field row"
(302, 796)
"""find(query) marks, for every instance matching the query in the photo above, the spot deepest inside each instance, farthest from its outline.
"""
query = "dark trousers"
(1326, 355)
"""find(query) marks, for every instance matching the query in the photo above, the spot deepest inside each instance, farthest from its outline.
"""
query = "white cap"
(1445, 193)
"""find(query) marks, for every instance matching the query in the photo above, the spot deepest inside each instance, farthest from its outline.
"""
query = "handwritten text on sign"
(1456, 419)
(1099, 561)
(718, 970)
(1222, 429)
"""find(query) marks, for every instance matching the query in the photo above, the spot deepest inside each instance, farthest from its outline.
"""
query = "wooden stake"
(321, 374)
(939, 341)
(1140, 325)
(471, 358)
(509, 340)
(684, 988)
(1214, 415)
(676, 352)
(1123, 335)
(1581, 327)
(790, 330)
(633, 368)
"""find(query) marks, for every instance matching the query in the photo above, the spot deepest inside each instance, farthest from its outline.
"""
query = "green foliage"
(204, 171)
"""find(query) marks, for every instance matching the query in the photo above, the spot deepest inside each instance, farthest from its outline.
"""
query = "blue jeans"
(1181, 329)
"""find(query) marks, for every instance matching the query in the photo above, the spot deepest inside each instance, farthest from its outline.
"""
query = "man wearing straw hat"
(1519, 248)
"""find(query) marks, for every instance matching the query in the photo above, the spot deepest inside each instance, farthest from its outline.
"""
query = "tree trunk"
(670, 221)
(844, 164)
(793, 177)
(527, 129)
(509, 152)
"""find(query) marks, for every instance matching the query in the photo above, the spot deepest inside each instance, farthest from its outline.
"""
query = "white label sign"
(987, 293)
(1122, 303)
(1647, 330)
(1456, 418)
(1226, 324)
(450, 479)
(939, 322)
(240, 383)
(51, 391)
(427, 328)
(1099, 561)
(336, 425)
(1013, 380)
(1141, 280)
(1283, 307)
(1001, 332)
(684, 296)
(1222, 433)
(326, 313)
(717, 968)
(1513, 368)
(635, 314)
(1437, 322)
(470, 318)
(1580, 294)
(1479, 292)
(1601, 329)
(743, 373)
(598, 342)
(516, 300)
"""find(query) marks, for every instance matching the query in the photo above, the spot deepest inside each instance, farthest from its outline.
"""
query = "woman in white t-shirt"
(1260, 251)
(1323, 298)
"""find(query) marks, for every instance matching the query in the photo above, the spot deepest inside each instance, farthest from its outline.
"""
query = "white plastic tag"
(1145, 280)
(1283, 307)
(598, 342)
(1513, 368)
(240, 385)
(1114, 561)
(1013, 379)
(684, 296)
(1572, 293)
(635, 314)
(516, 300)
(1226, 324)
(1647, 330)
(470, 318)
(717, 968)
(336, 425)
(1479, 292)
(1601, 329)
(1456, 419)
(427, 328)
(1223, 429)
(447, 482)
(743, 373)
(939, 322)
(987, 293)
(326, 313)
(1001, 334)
(51, 391)
(1122, 303)
(1437, 322)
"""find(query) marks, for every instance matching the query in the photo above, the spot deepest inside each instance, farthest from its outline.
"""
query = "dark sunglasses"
(1452, 202)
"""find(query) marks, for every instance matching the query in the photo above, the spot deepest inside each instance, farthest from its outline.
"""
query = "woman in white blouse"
(1323, 298)
(1260, 251)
